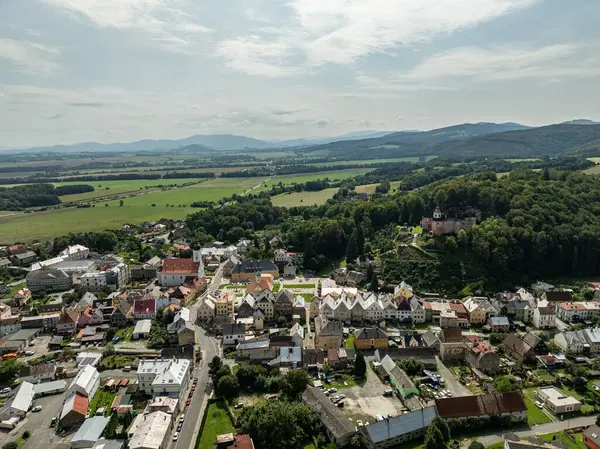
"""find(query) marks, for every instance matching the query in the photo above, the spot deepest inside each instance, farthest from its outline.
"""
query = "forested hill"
(482, 139)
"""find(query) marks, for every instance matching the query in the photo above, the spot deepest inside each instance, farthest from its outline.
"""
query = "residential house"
(592, 337)
(431, 340)
(518, 348)
(176, 272)
(355, 278)
(90, 317)
(557, 296)
(556, 401)
(247, 270)
(313, 359)
(48, 280)
(256, 350)
(370, 338)
(481, 356)
(591, 437)
(18, 405)
(75, 252)
(328, 333)
(339, 429)
(243, 246)
(289, 270)
(67, 322)
(246, 307)
(486, 406)
(571, 342)
(417, 311)
(121, 314)
(519, 310)
(144, 309)
(404, 310)
(16, 249)
(283, 304)
(206, 310)
(230, 265)
(570, 312)
(403, 290)
(38, 373)
(164, 377)
(233, 334)
(477, 313)
(297, 334)
(452, 347)
(299, 306)
(281, 256)
(499, 324)
(544, 317)
(22, 297)
(44, 322)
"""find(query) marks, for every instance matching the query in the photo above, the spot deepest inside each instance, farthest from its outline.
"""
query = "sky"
(122, 70)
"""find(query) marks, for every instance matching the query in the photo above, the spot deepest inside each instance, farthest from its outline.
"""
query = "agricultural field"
(370, 188)
(592, 170)
(305, 177)
(110, 215)
(109, 188)
(595, 160)
(296, 199)
(371, 161)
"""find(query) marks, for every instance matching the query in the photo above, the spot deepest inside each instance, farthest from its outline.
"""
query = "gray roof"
(253, 344)
(47, 387)
(331, 416)
(400, 425)
(24, 334)
(499, 321)
(233, 329)
(90, 430)
(142, 327)
(47, 273)
(25, 255)
(109, 444)
(21, 400)
(367, 333)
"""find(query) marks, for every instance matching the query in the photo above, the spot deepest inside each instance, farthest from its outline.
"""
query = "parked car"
(188, 402)
(179, 426)
(5, 390)
(53, 422)
(333, 390)
(539, 405)
(37, 408)
(182, 418)
(238, 405)
(175, 436)
(388, 392)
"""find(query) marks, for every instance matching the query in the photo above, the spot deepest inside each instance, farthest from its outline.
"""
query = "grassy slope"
(303, 198)
(305, 177)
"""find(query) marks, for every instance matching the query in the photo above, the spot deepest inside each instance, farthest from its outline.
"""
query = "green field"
(217, 423)
(525, 159)
(592, 170)
(50, 224)
(119, 187)
(534, 415)
(372, 161)
(303, 198)
(370, 188)
(54, 223)
(305, 177)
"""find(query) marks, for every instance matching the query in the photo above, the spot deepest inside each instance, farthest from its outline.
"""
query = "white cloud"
(165, 21)
(551, 62)
(28, 57)
(342, 31)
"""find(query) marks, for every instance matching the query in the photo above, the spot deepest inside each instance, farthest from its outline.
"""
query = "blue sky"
(122, 70)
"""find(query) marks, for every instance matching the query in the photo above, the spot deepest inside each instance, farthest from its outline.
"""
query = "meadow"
(303, 198)
(372, 161)
(110, 215)
(301, 178)
(370, 188)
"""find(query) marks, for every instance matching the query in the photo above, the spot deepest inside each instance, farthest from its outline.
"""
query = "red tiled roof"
(458, 307)
(143, 306)
(242, 441)
(185, 266)
(80, 404)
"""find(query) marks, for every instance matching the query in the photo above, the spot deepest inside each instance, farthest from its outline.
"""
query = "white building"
(577, 311)
(18, 405)
(85, 383)
(142, 329)
(93, 281)
(164, 377)
(544, 317)
(556, 401)
(74, 252)
(150, 431)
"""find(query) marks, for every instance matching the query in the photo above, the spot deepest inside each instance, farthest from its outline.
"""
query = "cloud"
(343, 31)
(551, 62)
(79, 104)
(28, 57)
(165, 21)
(54, 117)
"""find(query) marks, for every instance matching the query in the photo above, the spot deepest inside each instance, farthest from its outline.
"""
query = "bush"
(26, 435)
(11, 445)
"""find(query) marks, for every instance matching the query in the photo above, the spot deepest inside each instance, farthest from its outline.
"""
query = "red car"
(188, 402)
(193, 388)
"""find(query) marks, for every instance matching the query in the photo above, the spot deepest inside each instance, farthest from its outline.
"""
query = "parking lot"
(367, 401)
(40, 347)
(38, 425)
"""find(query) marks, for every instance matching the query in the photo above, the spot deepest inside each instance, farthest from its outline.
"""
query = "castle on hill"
(440, 224)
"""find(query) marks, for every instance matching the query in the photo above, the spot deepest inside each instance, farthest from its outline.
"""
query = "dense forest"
(73, 189)
(20, 197)
(534, 225)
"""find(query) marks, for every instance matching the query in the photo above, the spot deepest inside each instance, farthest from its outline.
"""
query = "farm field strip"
(296, 199)
(305, 177)
(371, 161)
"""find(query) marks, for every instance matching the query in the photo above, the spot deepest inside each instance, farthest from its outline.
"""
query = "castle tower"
(437, 214)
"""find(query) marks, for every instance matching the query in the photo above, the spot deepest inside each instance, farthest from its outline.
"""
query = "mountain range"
(575, 137)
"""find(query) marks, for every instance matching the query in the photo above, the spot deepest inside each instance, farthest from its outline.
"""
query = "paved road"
(195, 411)
(452, 383)
(542, 429)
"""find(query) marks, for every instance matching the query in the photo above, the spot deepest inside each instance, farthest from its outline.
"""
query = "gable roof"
(560, 296)
(183, 266)
(482, 405)
(452, 334)
(400, 425)
(531, 339)
(368, 333)
(331, 416)
(144, 306)
(252, 266)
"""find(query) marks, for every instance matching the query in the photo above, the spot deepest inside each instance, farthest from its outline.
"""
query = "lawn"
(577, 444)
(369, 189)
(346, 382)
(307, 296)
(297, 199)
(350, 341)
(102, 398)
(217, 422)
(534, 414)
(116, 361)
(299, 286)
(125, 334)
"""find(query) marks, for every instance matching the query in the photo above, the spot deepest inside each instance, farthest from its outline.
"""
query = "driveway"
(456, 388)
(38, 425)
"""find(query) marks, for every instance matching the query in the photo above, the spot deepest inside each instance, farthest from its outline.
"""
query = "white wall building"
(150, 431)
(85, 383)
(164, 377)
(75, 252)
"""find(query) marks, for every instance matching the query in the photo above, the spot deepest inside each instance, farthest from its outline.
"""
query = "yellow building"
(403, 290)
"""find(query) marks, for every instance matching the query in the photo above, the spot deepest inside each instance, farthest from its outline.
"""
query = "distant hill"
(411, 143)
(553, 140)
(323, 140)
(212, 141)
(581, 122)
